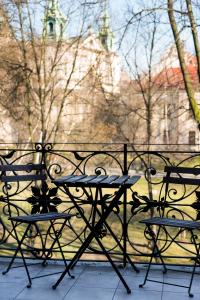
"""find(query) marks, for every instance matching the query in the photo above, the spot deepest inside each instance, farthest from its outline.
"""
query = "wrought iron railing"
(143, 200)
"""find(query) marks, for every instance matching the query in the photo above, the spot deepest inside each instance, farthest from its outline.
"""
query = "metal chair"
(12, 176)
(174, 175)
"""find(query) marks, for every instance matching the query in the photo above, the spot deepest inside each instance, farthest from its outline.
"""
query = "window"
(167, 111)
(192, 137)
(51, 27)
(166, 136)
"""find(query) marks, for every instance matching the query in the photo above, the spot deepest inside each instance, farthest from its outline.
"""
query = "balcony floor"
(93, 282)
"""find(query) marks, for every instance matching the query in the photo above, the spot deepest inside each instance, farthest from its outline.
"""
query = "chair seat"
(40, 217)
(172, 222)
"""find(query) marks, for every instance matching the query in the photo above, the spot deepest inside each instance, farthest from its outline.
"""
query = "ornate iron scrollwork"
(44, 199)
(146, 198)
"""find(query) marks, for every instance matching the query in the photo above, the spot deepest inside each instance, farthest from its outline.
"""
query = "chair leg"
(56, 240)
(148, 269)
(19, 249)
(57, 234)
(44, 262)
(71, 263)
(197, 247)
(155, 250)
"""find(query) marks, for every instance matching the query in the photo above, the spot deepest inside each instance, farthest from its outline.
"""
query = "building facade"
(74, 89)
(65, 77)
(177, 124)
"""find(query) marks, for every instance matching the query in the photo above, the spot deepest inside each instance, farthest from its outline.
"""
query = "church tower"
(105, 33)
(54, 21)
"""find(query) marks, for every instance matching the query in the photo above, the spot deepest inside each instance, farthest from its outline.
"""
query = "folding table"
(98, 182)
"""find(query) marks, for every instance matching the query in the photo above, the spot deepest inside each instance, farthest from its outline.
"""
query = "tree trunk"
(194, 35)
(186, 76)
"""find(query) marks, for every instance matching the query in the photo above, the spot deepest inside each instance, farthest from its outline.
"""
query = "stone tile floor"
(93, 282)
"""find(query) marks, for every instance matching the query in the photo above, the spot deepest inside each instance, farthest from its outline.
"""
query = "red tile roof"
(172, 77)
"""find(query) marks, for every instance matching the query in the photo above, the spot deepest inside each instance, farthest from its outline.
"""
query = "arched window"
(51, 27)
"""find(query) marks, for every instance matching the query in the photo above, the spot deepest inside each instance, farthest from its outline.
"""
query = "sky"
(133, 43)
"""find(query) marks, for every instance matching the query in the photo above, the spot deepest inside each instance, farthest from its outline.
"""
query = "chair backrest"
(16, 179)
(16, 173)
(179, 175)
(177, 199)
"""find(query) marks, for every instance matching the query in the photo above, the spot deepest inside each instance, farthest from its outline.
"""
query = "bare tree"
(46, 95)
(182, 18)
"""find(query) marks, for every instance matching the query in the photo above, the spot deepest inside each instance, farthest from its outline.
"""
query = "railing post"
(124, 229)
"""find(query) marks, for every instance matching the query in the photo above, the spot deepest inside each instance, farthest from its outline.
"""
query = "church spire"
(54, 21)
(105, 33)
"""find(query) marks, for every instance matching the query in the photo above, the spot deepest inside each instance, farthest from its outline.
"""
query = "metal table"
(120, 184)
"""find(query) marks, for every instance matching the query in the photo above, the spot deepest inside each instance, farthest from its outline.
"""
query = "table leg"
(110, 230)
(94, 234)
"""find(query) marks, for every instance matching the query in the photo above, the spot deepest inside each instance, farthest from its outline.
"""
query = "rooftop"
(94, 281)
